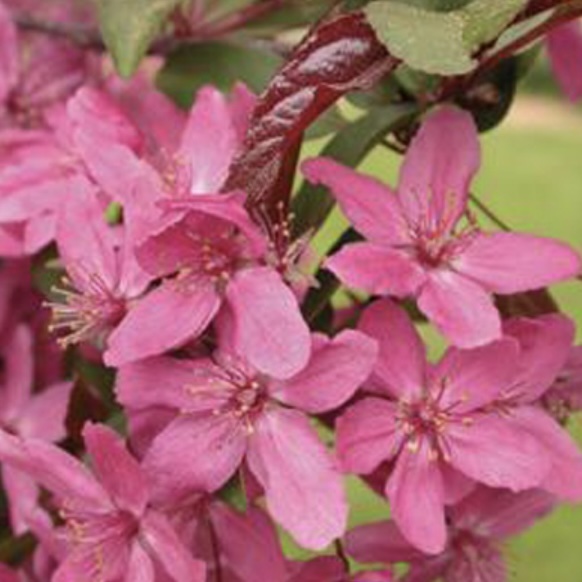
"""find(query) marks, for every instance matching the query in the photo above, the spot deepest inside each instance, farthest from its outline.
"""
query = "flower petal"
(335, 371)
(376, 269)
(469, 379)
(505, 262)
(545, 344)
(155, 382)
(416, 494)
(118, 472)
(367, 435)
(565, 476)
(45, 414)
(194, 454)
(438, 169)
(501, 514)
(462, 311)
(163, 320)
(497, 452)
(564, 45)
(380, 542)
(369, 205)
(140, 567)
(54, 469)
(269, 330)
(303, 489)
(209, 141)
(163, 543)
(249, 543)
(400, 367)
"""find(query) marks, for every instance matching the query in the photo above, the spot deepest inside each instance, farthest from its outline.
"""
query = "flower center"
(88, 315)
(426, 420)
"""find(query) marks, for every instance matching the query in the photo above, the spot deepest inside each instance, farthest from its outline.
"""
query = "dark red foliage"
(337, 56)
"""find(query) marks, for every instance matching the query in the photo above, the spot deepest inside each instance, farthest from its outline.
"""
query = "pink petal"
(565, 476)
(242, 104)
(7, 575)
(416, 494)
(319, 569)
(470, 379)
(155, 382)
(400, 367)
(22, 495)
(140, 567)
(45, 414)
(88, 253)
(118, 472)
(545, 344)
(209, 141)
(367, 435)
(506, 263)
(18, 373)
(249, 543)
(462, 311)
(303, 489)
(376, 269)
(369, 205)
(564, 45)
(54, 469)
(380, 542)
(497, 452)
(335, 371)
(269, 329)
(101, 118)
(163, 320)
(502, 514)
(163, 542)
(438, 169)
(193, 454)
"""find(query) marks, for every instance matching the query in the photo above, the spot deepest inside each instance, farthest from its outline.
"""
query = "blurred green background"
(531, 177)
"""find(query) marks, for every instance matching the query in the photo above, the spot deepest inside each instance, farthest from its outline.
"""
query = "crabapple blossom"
(448, 426)
(226, 411)
(415, 245)
(40, 415)
(477, 528)
(113, 532)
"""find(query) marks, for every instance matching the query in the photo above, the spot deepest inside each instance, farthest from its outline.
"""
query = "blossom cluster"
(191, 299)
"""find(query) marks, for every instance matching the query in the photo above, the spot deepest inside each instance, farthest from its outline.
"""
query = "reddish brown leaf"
(339, 55)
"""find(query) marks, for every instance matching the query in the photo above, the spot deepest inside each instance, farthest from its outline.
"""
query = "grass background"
(531, 177)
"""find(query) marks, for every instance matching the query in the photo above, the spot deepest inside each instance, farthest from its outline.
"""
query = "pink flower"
(545, 344)
(415, 247)
(103, 275)
(228, 412)
(181, 157)
(249, 544)
(46, 171)
(209, 253)
(565, 395)
(478, 526)
(36, 72)
(564, 46)
(113, 531)
(40, 416)
(437, 425)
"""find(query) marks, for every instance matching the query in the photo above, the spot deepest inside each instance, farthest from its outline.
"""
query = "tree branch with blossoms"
(185, 376)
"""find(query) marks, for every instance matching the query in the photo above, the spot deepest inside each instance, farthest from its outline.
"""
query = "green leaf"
(218, 63)
(129, 26)
(487, 19)
(312, 204)
(437, 41)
